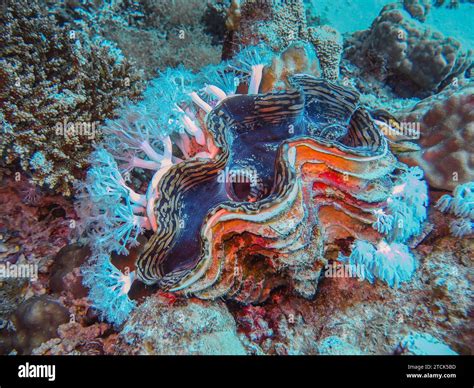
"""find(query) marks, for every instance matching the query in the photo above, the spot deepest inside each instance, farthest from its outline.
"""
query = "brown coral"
(414, 60)
(328, 43)
(299, 57)
(418, 9)
(446, 137)
(56, 86)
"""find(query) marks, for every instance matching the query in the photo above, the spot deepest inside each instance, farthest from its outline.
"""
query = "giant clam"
(249, 196)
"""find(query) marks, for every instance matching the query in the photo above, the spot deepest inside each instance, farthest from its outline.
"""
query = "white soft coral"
(460, 205)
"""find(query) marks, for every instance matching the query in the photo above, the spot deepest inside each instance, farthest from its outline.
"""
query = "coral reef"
(50, 110)
(450, 3)
(418, 9)
(279, 25)
(313, 166)
(420, 344)
(446, 129)
(273, 202)
(414, 60)
(154, 35)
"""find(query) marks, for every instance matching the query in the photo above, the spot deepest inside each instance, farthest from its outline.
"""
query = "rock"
(63, 277)
(74, 339)
(333, 345)
(423, 344)
(36, 321)
(418, 9)
(187, 327)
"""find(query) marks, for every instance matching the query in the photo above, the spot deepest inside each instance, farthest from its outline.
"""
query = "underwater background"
(236, 177)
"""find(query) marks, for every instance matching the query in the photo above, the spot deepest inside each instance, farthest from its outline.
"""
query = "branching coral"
(460, 205)
(56, 87)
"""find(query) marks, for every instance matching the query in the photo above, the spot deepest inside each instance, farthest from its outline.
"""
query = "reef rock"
(186, 327)
(37, 321)
(74, 339)
(62, 272)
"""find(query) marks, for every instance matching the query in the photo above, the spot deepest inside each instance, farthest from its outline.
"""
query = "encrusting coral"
(328, 43)
(424, 344)
(56, 87)
(392, 261)
(254, 206)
